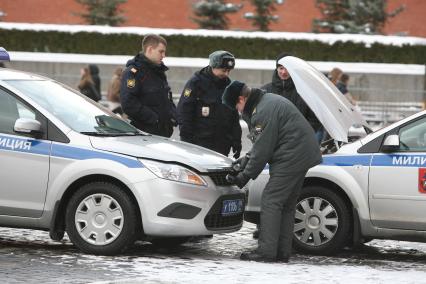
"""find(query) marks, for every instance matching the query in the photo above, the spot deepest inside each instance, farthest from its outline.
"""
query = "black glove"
(240, 163)
(240, 180)
(237, 151)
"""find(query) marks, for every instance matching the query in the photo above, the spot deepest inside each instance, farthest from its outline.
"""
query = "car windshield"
(72, 108)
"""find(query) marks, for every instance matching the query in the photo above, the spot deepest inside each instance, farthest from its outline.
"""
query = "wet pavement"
(29, 256)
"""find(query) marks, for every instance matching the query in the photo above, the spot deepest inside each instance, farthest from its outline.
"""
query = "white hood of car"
(163, 149)
(332, 109)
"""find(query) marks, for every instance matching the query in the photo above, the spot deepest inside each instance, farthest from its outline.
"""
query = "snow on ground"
(28, 256)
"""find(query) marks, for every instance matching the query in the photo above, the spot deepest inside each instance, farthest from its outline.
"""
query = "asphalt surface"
(29, 256)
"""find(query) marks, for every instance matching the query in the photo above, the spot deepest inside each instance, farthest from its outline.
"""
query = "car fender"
(61, 177)
(353, 181)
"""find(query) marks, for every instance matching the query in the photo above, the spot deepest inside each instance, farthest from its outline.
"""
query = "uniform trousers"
(278, 204)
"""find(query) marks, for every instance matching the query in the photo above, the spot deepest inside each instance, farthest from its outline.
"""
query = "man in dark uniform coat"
(203, 119)
(282, 137)
(283, 85)
(145, 93)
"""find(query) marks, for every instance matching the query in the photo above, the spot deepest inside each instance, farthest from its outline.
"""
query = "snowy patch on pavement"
(30, 256)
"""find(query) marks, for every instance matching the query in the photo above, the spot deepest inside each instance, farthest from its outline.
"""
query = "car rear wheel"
(322, 221)
(101, 219)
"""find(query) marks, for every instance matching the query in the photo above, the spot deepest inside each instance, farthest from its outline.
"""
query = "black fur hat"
(231, 93)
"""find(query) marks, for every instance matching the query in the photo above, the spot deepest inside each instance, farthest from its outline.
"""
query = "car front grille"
(219, 178)
(214, 220)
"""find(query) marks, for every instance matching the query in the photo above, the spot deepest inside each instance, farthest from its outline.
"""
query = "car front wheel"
(101, 219)
(322, 221)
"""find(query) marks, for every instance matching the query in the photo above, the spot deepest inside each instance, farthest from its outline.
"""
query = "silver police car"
(69, 165)
(370, 188)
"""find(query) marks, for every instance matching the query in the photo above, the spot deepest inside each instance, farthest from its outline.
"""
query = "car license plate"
(230, 207)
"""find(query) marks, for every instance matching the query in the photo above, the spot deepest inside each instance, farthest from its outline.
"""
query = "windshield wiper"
(94, 133)
(106, 134)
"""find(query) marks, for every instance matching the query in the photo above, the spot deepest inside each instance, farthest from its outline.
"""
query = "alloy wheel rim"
(99, 219)
(316, 221)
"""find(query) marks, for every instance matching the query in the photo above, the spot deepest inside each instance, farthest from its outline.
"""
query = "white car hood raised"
(332, 109)
(163, 149)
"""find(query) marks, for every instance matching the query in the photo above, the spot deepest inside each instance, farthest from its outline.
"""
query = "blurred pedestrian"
(283, 85)
(87, 86)
(145, 94)
(113, 92)
(335, 74)
(94, 72)
(203, 119)
(342, 85)
(282, 138)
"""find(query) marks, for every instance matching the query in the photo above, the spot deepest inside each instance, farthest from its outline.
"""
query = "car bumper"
(178, 209)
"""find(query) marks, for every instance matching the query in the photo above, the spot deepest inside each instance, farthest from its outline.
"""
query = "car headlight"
(174, 172)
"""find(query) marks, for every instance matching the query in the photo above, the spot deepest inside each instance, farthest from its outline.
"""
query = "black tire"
(169, 242)
(323, 234)
(112, 227)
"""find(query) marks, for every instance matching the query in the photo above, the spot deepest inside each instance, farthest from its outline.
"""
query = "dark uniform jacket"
(203, 119)
(281, 136)
(146, 97)
(94, 72)
(287, 89)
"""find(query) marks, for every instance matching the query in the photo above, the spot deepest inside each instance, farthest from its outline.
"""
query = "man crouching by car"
(283, 138)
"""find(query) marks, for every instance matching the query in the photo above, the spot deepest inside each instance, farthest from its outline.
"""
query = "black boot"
(255, 256)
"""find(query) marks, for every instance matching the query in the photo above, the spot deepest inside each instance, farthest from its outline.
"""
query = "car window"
(10, 110)
(412, 137)
(71, 108)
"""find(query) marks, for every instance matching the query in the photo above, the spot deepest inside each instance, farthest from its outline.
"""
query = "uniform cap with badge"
(222, 59)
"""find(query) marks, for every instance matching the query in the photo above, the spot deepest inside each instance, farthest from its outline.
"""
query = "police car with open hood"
(368, 188)
(67, 164)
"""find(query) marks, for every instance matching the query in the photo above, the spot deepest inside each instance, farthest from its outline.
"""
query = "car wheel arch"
(346, 185)
(329, 184)
(57, 226)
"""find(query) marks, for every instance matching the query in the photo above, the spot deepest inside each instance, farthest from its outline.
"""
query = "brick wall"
(295, 15)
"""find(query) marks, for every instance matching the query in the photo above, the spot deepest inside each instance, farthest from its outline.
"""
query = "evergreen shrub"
(199, 46)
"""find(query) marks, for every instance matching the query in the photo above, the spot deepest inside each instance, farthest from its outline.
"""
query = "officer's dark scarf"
(251, 103)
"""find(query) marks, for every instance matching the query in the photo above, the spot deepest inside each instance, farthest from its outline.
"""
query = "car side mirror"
(391, 143)
(27, 126)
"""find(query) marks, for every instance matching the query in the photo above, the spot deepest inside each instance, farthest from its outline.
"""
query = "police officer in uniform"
(145, 93)
(283, 138)
(203, 119)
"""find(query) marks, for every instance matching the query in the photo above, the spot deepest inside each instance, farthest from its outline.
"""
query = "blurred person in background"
(94, 72)
(87, 86)
(334, 75)
(145, 94)
(203, 119)
(342, 85)
(113, 92)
